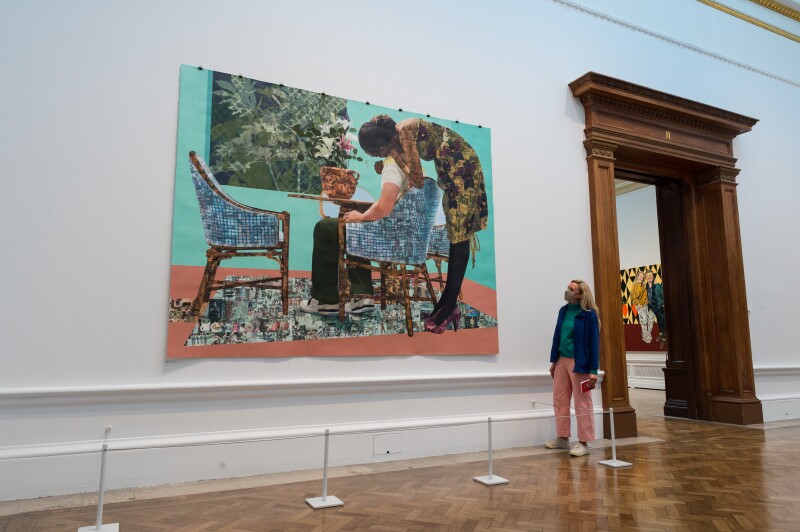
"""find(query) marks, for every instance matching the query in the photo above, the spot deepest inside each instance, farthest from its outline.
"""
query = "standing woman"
(460, 176)
(575, 358)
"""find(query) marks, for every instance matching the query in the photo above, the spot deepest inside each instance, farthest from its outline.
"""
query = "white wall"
(87, 137)
(637, 228)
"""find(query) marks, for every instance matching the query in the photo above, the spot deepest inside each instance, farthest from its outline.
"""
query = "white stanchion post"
(110, 527)
(490, 479)
(325, 501)
(613, 462)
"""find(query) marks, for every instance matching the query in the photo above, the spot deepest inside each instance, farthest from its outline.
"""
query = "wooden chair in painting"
(438, 252)
(236, 230)
(398, 244)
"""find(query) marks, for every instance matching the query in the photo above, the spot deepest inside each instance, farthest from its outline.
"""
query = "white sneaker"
(557, 443)
(359, 306)
(313, 306)
(579, 450)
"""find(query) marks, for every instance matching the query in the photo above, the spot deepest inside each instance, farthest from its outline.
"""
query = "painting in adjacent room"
(643, 314)
(307, 224)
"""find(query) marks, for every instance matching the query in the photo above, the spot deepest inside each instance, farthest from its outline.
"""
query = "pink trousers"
(567, 384)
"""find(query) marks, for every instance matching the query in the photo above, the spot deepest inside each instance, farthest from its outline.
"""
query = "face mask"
(570, 296)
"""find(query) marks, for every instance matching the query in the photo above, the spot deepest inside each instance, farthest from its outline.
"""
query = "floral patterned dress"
(460, 176)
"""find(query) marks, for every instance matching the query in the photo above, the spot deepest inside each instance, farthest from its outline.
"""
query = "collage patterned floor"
(251, 315)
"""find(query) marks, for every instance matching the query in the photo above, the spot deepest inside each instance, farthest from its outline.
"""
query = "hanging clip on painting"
(199, 67)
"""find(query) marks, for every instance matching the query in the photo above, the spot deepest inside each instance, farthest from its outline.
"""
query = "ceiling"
(622, 186)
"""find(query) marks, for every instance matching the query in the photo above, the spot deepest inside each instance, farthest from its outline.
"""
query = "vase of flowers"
(339, 183)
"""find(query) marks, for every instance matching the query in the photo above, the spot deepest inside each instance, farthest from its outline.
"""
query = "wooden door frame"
(687, 147)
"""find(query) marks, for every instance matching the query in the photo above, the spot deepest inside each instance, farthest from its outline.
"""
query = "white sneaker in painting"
(313, 306)
(359, 306)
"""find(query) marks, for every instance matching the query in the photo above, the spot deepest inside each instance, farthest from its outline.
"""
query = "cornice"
(599, 148)
(777, 7)
(589, 86)
(754, 21)
(720, 174)
(660, 114)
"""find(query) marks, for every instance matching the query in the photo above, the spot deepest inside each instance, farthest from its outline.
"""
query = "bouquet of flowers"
(331, 143)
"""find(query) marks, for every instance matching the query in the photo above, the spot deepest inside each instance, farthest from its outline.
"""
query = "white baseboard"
(776, 387)
(780, 407)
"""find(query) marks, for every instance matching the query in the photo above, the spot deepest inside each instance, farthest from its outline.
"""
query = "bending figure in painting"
(459, 175)
(655, 300)
(640, 302)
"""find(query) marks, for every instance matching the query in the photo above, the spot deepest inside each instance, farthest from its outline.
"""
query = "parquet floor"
(701, 476)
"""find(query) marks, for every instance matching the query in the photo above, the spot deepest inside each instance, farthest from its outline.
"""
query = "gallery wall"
(637, 227)
(87, 135)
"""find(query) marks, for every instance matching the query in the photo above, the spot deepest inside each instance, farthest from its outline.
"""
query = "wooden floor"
(701, 476)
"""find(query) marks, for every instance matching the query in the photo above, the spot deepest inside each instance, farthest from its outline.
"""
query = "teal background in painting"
(194, 120)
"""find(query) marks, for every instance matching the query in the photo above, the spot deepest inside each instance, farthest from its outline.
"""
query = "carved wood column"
(730, 364)
(605, 245)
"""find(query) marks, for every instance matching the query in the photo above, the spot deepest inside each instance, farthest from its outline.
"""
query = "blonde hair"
(587, 301)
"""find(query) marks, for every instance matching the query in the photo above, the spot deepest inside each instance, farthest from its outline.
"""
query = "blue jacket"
(587, 340)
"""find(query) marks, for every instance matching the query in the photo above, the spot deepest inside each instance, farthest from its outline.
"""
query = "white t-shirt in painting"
(393, 174)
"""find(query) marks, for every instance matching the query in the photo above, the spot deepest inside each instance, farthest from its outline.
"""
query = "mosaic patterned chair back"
(440, 242)
(403, 236)
(227, 222)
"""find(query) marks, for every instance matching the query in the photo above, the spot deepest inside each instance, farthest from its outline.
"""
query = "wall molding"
(268, 434)
(777, 7)
(674, 42)
(115, 394)
(786, 11)
(777, 371)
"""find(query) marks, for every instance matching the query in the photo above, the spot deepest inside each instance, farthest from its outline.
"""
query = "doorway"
(643, 307)
(666, 292)
(684, 148)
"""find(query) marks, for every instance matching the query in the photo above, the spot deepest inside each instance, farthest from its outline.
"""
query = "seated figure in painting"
(324, 260)
(640, 303)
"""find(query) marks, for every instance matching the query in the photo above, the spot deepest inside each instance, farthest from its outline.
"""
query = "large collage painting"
(307, 224)
(643, 314)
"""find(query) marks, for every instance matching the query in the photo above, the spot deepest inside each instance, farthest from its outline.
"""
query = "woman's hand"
(353, 217)
(592, 381)
(553, 370)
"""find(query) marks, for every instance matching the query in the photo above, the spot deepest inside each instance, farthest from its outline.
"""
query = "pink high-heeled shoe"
(426, 317)
(454, 318)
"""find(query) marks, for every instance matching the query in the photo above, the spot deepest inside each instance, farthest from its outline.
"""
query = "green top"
(566, 348)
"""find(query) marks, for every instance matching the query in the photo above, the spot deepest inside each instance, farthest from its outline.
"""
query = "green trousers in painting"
(325, 266)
